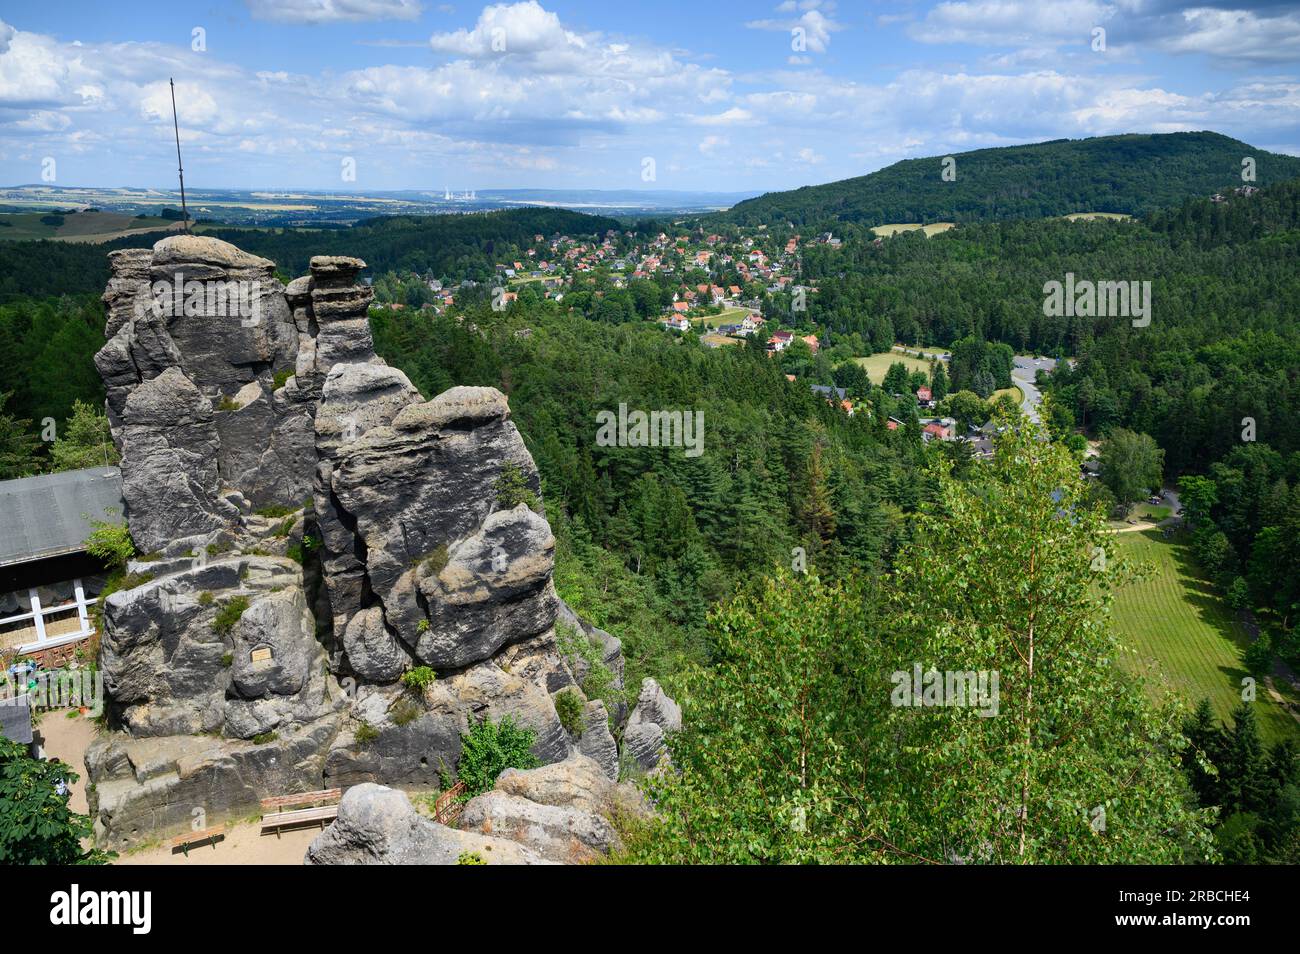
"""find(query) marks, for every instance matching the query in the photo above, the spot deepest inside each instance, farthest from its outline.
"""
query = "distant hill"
(1131, 174)
(451, 246)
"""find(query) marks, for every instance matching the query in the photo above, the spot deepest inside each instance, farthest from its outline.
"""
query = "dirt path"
(243, 845)
(66, 740)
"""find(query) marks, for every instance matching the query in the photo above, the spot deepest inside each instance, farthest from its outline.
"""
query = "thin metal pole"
(185, 212)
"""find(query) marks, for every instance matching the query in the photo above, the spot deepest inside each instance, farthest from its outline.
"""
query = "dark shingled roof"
(49, 515)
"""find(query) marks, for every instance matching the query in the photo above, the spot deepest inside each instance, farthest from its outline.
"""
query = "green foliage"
(110, 543)
(512, 489)
(227, 403)
(264, 737)
(285, 527)
(569, 707)
(1103, 174)
(436, 561)
(227, 660)
(36, 825)
(405, 712)
(419, 678)
(1132, 466)
(365, 734)
(274, 510)
(470, 858)
(85, 440)
(17, 445)
(1258, 656)
(797, 749)
(229, 615)
(1255, 790)
(280, 377)
(489, 749)
(586, 653)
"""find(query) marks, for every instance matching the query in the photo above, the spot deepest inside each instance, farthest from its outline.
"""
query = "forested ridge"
(452, 247)
(1133, 174)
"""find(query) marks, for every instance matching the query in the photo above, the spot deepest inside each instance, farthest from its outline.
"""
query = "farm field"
(934, 228)
(1089, 216)
(77, 226)
(1183, 636)
(877, 365)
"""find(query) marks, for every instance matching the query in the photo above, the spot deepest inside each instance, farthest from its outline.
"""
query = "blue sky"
(669, 95)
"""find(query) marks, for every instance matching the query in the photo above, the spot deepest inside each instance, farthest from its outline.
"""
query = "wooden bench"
(302, 800)
(322, 814)
(190, 838)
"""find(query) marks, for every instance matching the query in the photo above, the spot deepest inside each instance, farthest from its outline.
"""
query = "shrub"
(489, 749)
(405, 712)
(228, 404)
(228, 660)
(285, 526)
(111, 543)
(1258, 656)
(576, 646)
(569, 706)
(470, 858)
(280, 377)
(420, 678)
(229, 615)
(36, 825)
(206, 598)
(365, 734)
(274, 510)
(264, 737)
(435, 561)
(512, 489)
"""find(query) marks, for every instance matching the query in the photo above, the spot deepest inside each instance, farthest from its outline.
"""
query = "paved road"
(1023, 370)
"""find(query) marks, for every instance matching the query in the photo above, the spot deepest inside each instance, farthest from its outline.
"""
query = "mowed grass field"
(728, 316)
(877, 365)
(885, 231)
(1183, 636)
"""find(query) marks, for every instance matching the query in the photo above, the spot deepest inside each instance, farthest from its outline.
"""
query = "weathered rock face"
(379, 826)
(563, 811)
(201, 310)
(655, 717)
(557, 814)
(266, 653)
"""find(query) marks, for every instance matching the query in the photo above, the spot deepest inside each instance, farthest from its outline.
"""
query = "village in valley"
(741, 289)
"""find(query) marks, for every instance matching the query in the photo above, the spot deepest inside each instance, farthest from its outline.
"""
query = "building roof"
(49, 515)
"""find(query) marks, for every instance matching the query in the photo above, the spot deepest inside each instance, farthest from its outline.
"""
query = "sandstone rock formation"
(379, 826)
(314, 529)
(655, 717)
(558, 814)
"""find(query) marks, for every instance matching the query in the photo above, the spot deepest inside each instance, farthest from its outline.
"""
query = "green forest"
(1131, 174)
